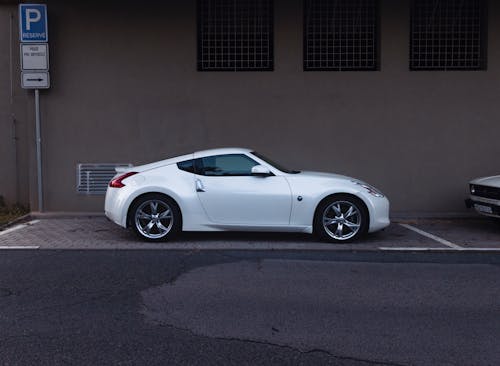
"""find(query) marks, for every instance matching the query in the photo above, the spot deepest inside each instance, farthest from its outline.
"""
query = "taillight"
(117, 182)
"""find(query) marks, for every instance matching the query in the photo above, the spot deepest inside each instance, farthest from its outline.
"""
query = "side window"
(227, 165)
(187, 166)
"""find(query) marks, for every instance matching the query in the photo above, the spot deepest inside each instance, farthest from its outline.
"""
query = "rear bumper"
(114, 206)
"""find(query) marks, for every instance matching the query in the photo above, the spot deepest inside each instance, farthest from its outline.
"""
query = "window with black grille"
(448, 35)
(340, 34)
(235, 35)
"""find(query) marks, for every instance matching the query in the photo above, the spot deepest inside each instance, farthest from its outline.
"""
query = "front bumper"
(484, 206)
(379, 214)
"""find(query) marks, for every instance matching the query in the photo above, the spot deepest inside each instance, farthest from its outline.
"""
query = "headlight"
(372, 190)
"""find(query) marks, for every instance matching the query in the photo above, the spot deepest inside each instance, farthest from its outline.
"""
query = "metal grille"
(340, 34)
(235, 35)
(485, 191)
(94, 178)
(448, 35)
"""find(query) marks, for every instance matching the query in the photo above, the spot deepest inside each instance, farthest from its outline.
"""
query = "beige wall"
(125, 89)
(14, 124)
(7, 149)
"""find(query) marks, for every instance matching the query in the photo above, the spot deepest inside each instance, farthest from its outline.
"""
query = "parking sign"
(33, 23)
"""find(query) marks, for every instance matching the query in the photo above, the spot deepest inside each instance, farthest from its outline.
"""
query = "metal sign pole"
(38, 150)
(34, 47)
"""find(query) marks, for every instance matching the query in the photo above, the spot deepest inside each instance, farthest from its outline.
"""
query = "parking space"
(466, 233)
(99, 233)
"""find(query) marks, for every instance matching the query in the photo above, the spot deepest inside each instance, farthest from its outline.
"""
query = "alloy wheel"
(342, 220)
(154, 219)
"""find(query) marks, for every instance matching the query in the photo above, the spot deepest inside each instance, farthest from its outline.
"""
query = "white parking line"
(17, 227)
(412, 249)
(421, 249)
(19, 247)
(433, 237)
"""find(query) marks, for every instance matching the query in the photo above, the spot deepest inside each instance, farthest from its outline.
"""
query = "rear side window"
(187, 166)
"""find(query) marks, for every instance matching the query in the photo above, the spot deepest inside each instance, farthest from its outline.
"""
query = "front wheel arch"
(339, 196)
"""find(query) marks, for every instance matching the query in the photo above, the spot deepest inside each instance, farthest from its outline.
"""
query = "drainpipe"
(12, 114)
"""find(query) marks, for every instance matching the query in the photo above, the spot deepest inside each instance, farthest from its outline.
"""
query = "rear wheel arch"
(145, 195)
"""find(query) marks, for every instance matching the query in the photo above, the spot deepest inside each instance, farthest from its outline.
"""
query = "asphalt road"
(248, 308)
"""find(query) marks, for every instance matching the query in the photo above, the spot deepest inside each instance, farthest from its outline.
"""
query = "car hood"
(308, 174)
(493, 181)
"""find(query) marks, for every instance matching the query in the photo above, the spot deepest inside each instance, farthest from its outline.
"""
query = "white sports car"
(239, 189)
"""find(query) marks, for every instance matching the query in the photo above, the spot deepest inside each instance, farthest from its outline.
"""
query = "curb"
(65, 215)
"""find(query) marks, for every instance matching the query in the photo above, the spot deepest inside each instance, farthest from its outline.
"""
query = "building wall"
(14, 124)
(7, 185)
(125, 89)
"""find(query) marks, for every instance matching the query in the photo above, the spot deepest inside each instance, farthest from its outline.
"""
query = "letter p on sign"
(32, 16)
(33, 23)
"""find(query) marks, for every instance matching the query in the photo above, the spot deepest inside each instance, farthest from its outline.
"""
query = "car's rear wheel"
(340, 219)
(155, 217)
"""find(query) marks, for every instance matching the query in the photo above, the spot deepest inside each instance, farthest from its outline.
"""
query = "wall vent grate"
(448, 35)
(93, 179)
(235, 35)
(340, 35)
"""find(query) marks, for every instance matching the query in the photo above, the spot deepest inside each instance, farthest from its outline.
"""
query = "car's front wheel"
(341, 218)
(155, 217)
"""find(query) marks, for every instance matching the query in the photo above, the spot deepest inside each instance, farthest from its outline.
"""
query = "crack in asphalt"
(282, 346)
(183, 266)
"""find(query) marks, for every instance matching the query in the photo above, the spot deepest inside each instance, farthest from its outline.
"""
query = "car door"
(231, 195)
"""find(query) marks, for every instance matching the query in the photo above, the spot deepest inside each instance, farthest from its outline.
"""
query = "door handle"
(199, 186)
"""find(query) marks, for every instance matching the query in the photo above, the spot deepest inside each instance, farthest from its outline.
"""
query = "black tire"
(163, 222)
(349, 232)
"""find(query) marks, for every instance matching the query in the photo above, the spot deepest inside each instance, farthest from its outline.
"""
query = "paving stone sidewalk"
(100, 233)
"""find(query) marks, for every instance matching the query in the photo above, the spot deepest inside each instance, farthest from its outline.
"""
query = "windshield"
(274, 164)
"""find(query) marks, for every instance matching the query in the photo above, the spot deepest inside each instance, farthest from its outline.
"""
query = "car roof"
(220, 151)
(198, 154)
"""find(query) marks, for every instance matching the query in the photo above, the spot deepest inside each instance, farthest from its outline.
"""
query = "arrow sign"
(35, 80)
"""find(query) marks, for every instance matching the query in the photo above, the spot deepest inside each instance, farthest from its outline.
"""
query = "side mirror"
(261, 171)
